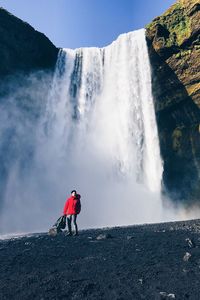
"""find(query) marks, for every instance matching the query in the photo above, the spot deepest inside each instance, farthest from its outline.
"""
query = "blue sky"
(85, 23)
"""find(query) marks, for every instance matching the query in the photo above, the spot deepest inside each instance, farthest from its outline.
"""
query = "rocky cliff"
(174, 48)
(22, 47)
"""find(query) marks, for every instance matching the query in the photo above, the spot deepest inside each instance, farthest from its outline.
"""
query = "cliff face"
(22, 47)
(174, 48)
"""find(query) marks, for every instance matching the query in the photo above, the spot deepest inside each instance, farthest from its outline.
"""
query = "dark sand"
(137, 262)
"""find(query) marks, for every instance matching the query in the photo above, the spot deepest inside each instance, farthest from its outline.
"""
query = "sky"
(86, 23)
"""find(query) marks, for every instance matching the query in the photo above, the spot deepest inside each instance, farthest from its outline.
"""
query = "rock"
(26, 250)
(103, 236)
(171, 296)
(190, 243)
(130, 237)
(185, 270)
(52, 232)
(174, 49)
(140, 281)
(187, 256)
(27, 243)
(164, 295)
(22, 48)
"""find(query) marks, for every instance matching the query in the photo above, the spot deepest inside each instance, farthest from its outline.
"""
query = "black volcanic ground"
(137, 262)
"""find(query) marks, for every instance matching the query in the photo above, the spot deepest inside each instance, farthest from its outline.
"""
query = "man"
(71, 209)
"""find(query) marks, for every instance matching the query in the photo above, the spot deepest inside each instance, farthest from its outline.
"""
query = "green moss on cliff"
(176, 22)
(179, 31)
(183, 53)
(174, 51)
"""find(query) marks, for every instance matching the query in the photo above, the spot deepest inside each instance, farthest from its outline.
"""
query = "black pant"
(69, 223)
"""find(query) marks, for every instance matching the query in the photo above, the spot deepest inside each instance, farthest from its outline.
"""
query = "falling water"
(100, 121)
(102, 96)
(99, 135)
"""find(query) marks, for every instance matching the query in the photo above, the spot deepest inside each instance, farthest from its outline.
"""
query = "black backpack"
(60, 223)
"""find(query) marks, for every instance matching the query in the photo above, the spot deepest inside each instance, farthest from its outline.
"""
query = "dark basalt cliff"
(22, 47)
(174, 48)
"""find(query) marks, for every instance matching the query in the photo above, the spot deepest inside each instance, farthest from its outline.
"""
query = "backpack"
(60, 223)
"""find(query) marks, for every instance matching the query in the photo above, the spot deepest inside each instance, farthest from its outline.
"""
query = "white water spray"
(99, 136)
(105, 94)
(100, 117)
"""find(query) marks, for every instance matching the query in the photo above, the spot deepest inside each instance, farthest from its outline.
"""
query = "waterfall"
(98, 134)
(101, 124)
(102, 96)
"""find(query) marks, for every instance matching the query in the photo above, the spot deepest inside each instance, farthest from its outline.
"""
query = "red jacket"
(72, 205)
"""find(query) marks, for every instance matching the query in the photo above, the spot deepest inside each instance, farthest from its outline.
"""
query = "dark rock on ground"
(187, 256)
(191, 243)
(130, 237)
(174, 48)
(104, 236)
(61, 267)
(164, 295)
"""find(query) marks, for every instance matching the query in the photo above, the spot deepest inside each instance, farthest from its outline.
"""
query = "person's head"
(73, 193)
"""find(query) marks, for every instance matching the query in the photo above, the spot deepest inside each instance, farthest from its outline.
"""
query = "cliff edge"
(22, 47)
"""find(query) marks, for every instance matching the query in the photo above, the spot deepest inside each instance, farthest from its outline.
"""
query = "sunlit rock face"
(174, 48)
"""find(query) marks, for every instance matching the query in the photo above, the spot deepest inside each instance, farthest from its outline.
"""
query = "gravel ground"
(159, 261)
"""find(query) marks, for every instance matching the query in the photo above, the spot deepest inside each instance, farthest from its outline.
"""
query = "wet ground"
(160, 261)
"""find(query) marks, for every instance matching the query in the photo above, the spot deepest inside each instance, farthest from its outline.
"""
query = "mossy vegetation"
(174, 49)
(175, 7)
(180, 30)
(177, 22)
(183, 53)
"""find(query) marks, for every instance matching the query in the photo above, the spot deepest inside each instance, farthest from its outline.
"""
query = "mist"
(91, 128)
